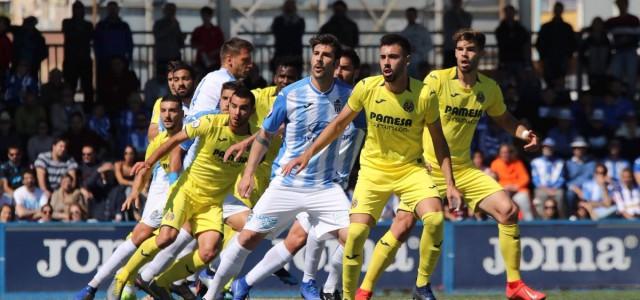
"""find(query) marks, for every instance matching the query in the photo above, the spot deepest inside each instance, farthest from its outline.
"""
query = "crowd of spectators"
(69, 159)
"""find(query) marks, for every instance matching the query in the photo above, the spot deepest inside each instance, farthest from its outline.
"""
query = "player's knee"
(433, 219)
(296, 239)
(249, 239)
(207, 255)
(402, 225)
(166, 237)
(508, 215)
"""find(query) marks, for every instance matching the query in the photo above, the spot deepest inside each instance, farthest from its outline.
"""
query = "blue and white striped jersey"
(305, 111)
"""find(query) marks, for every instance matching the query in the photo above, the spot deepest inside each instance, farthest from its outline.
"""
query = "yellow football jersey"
(460, 110)
(395, 122)
(155, 113)
(208, 171)
(265, 98)
(153, 146)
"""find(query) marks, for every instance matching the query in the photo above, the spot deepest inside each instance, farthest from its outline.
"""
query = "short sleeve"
(40, 163)
(71, 164)
(155, 114)
(432, 107)
(198, 127)
(355, 102)
(497, 106)
(43, 198)
(278, 114)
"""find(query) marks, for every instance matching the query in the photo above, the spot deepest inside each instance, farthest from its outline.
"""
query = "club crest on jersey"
(354, 203)
(480, 97)
(408, 106)
(337, 105)
(169, 216)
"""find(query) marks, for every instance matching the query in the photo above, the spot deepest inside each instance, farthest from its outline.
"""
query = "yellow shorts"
(411, 184)
(187, 203)
(261, 183)
(474, 184)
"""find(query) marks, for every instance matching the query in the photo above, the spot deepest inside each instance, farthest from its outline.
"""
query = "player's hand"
(138, 167)
(298, 163)
(455, 198)
(245, 186)
(533, 144)
(133, 198)
(236, 150)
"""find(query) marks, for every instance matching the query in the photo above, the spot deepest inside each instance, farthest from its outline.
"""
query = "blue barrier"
(61, 258)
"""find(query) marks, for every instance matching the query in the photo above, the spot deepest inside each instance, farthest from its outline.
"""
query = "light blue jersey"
(305, 111)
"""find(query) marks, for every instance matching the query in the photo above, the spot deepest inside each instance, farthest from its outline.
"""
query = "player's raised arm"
(163, 150)
(519, 130)
(139, 182)
(328, 135)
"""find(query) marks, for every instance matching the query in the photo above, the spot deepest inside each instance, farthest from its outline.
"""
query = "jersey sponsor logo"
(408, 106)
(380, 101)
(314, 129)
(463, 112)
(220, 155)
(390, 122)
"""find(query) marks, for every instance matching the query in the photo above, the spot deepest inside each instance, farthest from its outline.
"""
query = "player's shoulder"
(371, 82)
(264, 92)
(487, 82)
(220, 74)
(441, 74)
(300, 85)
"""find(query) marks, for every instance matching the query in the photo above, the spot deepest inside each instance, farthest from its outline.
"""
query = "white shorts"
(156, 200)
(302, 218)
(232, 206)
(327, 209)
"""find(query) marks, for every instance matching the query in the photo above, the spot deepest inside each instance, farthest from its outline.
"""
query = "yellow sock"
(352, 259)
(144, 254)
(430, 244)
(383, 254)
(182, 268)
(229, 233)
(509, 239)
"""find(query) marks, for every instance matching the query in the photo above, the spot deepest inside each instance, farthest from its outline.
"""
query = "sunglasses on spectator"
(549, 207)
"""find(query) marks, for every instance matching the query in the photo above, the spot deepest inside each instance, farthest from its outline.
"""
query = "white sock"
(115, 261)
(231, 263)
(312, 254)
(273, 260)
(165, 257)
(335, 270)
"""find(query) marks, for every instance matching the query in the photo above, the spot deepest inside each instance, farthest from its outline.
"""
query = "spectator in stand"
(156, 87)
(78, 34)
(489, 136)
(514, 178)
(12, 170)
(61, 112)
(479, 162)
(514, 43)
(138, 137)
(122, 168)
(614, 162)
(100, 123)
(341, 26)
(46, 212)
(550, 211)
(8, 136)
(597, 134)
(112, 38)
(51, 166)
(96, 180)
(546, 111)
(29, 115)
(76, 214)
(6, 213)
(288, 29)
(455, 18)
(556, 45)
(579, 170)
(6, 49)
(615, 105)
(625, 29)
(168, 37)
(596, 194)
(563, 133)
(29, 198)
(421, 43)
(41, 142)
(629, 134)
(582, 110)
(117, 84)
(627, 196)
(29, 46)
(127, 120)
(595, 54)
(17, 84)
(208, 39)
(52, 91)
(254, 80)
(79, 135)
(6, 198)
(66, 195)
(547, 172)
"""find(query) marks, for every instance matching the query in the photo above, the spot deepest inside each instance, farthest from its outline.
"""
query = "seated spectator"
(596, 194)
(629, 134)
(76, 214)
(489, 136)
(41, 142)
(6, 199)
(627, 196)
(597, 134)
(51, 92)
(123, 167)
(550, 211)
(66, 195)
(138, 138)
(17, 84)
(12, 170)
(564, 133)
(546, 111)
(61, 112)
(96, 181)
(79, 135)
(100, 123)
(51, 166)
(29, 198)
(8, 136)
(616, 105)
(29, 115)
(614, 163)
(6, 213)
(579, 170)
(45, 213)
(548, 180)
(514, 178)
